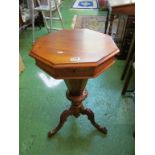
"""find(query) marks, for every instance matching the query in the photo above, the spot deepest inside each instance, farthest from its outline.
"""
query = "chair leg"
(129, 58)
(125, 69)
(127, 80)
(106, 23)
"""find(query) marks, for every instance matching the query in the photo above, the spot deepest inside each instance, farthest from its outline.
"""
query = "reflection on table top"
(74, 54)
(74, 47)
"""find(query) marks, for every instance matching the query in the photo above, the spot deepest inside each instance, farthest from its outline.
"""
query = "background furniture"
(128, 77)
(125, 11)
(47, 8)
(104, 5)
(75, 56)
(130, 57)
(129, 66)
(25, 15)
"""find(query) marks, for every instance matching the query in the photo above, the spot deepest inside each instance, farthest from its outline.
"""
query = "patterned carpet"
(96, 23)
(85, 4)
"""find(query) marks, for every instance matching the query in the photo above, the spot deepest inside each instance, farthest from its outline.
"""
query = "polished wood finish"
(75, 72)
(75, 56)
(128, 9)
(125, 9)
(75, 110)
(114, 3)
(60, 48)
(76, 86)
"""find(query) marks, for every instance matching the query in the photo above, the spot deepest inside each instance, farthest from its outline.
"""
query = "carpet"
(85, 4)
(96, 23)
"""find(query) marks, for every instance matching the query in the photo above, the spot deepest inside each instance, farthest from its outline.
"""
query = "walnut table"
(75, 56)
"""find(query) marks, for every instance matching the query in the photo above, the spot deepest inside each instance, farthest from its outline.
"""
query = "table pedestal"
(76, 93)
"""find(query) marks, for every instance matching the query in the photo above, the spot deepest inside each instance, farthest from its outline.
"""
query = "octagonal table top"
(78, 48)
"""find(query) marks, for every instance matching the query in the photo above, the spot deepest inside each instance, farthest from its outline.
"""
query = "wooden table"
(75, 56)
(121, 7)
(114, 3)
(124, 11)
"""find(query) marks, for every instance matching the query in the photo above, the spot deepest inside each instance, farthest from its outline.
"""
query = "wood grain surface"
(79, 53)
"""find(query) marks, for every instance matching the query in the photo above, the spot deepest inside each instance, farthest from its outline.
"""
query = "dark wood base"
(76, 109)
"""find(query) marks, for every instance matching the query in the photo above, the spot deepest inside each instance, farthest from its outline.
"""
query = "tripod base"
(76, 109)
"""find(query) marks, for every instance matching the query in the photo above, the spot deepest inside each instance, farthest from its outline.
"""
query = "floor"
(42, 99)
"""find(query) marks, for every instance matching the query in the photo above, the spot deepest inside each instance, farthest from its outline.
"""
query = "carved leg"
(63, 119)
(90, 114)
